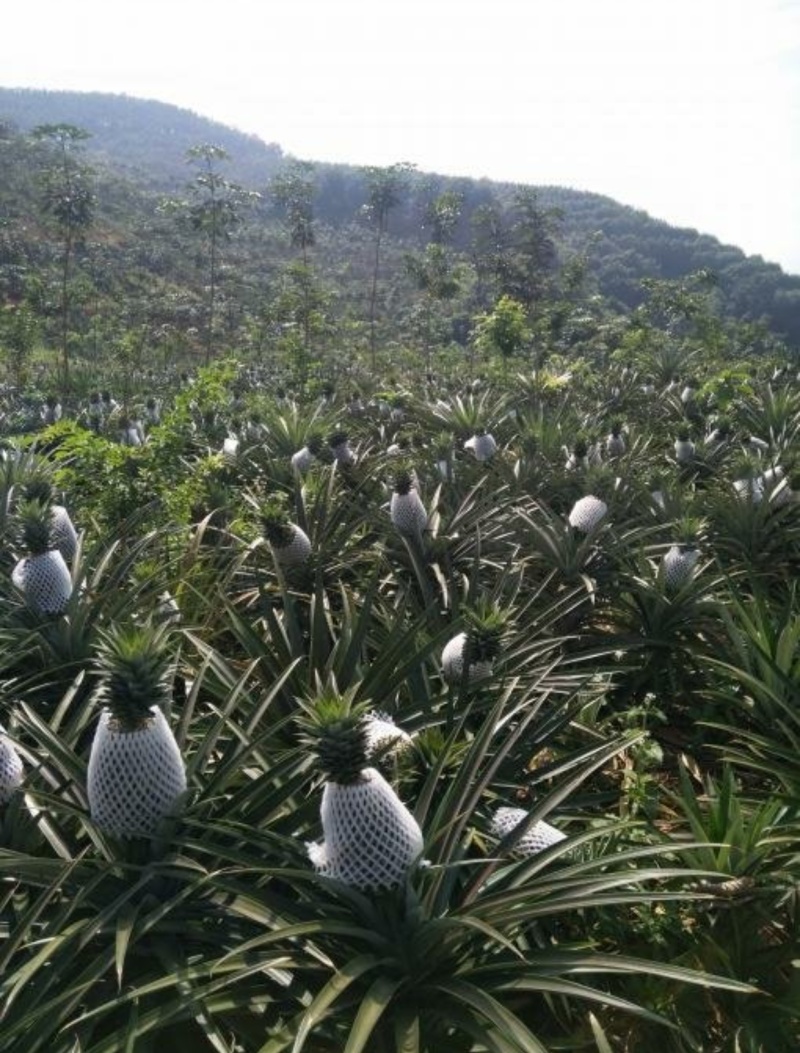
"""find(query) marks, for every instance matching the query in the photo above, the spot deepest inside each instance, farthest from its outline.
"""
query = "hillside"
(138, 152)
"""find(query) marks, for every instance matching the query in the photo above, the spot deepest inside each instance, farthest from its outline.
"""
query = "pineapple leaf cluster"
(133, 664)
(334, 727)
(36, 526)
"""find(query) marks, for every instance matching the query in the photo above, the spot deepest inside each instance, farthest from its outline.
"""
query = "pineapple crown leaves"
(336, 729)
(485, 626)
(133, 664)
(603, 482)
(403, 481)
(36, 526)
(443, 444)
(275, 519)
(580, 447)
(315, 443)
(688, 530)
(338, 438)
(38, 488)
(745, 467)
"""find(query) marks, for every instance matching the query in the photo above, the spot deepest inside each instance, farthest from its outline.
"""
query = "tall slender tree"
(69, 200)
(293, 190)
(213, 210)
(385, 187)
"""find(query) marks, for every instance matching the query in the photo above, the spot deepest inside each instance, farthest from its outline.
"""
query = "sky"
(687, 109)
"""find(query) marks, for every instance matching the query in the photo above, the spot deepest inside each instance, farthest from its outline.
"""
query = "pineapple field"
(454, 712)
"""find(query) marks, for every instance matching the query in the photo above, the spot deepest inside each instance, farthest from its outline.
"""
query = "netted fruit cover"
(384, 737)
(296, 550)
(540, 836)
(11, 771)
(45, 580)
(135, 777)
(408, 512)
(64, 536)
(587, 513)
(371, 838)
(453, 662)
(679, 564)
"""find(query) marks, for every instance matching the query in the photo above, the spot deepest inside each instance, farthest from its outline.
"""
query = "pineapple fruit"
(289, 543)
(540, 836)
(615, 440)
(136, 774)
(307, 455)
(63, 535)
(339, 444)
(587, 513)
(42, 575)
(471, 654)
(678, 564)
(684, 447)
(11, 770)
(679, 561)
(371, 840)
(482, 444)
(406, 509)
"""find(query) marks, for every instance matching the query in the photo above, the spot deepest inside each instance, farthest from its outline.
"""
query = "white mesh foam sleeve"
(540, 836)
(64, 536)
(45, 581)
(298, 550)
(453, 662)
(408, 513)
(134, 777)
(371, 838)
(384, 736)
(587, 513)
(11, 771)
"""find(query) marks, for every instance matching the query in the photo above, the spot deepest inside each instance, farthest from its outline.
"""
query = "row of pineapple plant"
(512, 855)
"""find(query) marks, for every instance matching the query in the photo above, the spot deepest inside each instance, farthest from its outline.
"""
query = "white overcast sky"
(688, 109)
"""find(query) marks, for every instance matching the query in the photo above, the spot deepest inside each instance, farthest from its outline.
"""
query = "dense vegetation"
(449, 248)
(399, 641)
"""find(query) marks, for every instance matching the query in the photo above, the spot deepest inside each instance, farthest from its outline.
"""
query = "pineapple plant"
(11, 770)
(540, 836)
(136, 774)
(406, 509)
(289, 543)
(42, 576)
(370, 839)
(471, 654)
(63, 534)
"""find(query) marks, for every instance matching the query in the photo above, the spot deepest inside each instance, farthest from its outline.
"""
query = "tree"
(293, 190)
(68, 199)
(212, 211)
(534, 257)
(504, 330)
(385, 188)
(434, 272)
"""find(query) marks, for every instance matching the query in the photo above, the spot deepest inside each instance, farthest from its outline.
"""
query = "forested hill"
(147, 141)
